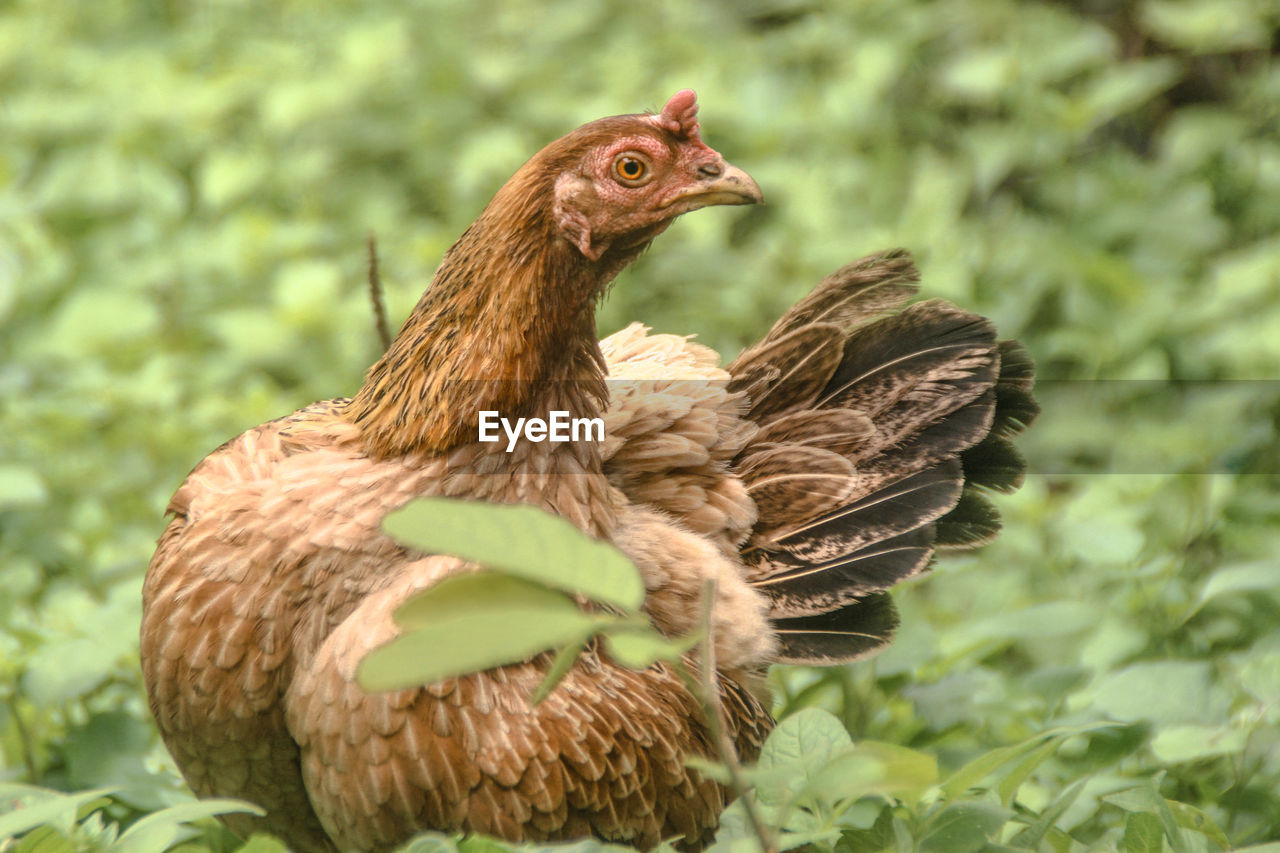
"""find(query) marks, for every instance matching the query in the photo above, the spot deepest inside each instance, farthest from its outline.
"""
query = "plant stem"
(375, 296)
(705, 689)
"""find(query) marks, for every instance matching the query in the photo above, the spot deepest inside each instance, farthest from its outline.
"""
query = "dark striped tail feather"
(882, 428)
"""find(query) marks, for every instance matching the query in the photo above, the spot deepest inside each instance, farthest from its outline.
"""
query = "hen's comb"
(680, 115)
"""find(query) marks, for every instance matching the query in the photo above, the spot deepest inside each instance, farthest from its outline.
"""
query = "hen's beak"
(718, 182)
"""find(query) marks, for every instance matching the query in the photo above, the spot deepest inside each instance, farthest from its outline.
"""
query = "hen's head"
(618, 182)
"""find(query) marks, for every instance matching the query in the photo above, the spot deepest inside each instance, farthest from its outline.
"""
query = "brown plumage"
(825, 464)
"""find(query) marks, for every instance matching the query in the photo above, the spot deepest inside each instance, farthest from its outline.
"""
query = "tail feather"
(788, 372)
(918, 446)
(796, 481)
(994, 463)
(854, 293)
(974, 521)
(841, 431)
(1016, 406)
(808, 588)
(884, 513)
(849, 633)
(923, 360)
(878, 435)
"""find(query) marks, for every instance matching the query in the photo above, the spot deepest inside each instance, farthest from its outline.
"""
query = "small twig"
(375, 296)
(708, 694)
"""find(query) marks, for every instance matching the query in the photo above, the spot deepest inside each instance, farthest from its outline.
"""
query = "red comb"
(680, 115)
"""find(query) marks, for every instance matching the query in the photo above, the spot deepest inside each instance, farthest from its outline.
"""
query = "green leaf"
(482, 844)
(1051, 619)
(430, 842)
(230, 173)
(1209, 26)
(564, 660)
(737, 834)
(262, 844)
(1136, 799)
(984, 765)
(109, 748)
(44, 839)
(1146, 799)
(1009, 785)
(1127, 86)
(95, 319)
(963, 828)
(520, 540)
(1260, 675)
(808, 736)
(1190, 817)
(713, 769)
(1173, 744)
(870, 767)
(879, 837)
(1157, 691)
(1245, 577)
(639, 648)
(796, 750)
(1142, 834)
(159, 830)
(48, 807)
(21, 488)
(472, 622)
(1034, 832)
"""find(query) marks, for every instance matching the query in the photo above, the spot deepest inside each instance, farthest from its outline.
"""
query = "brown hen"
(821, 467)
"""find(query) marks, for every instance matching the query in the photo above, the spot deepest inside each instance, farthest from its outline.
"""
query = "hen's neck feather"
(508, 324)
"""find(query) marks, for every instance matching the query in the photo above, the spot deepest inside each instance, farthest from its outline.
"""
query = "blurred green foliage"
(185, 190)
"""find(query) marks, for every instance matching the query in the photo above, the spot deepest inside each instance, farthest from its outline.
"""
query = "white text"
(559, 427)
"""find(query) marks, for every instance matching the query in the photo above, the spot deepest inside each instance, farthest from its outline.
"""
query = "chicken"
(821, 467)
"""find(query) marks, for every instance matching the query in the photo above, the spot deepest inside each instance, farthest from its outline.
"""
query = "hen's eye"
(630, 169)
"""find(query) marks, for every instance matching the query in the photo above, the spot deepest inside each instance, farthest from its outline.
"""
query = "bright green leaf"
(52, 807)
(1246, 577)
(1157, 691)
(21, 488)
(1260, 675)
(158, 830)
(1190, 817)
(1142, 834)
(1049, 815)
(987, 763)
(638, 649)
(1136, 799)
(1209, 26)
(796, 751)
(470, 623)
(44, 839)
(806, 737)
(1009, 785)
(963, 828)
(880, 768)
(1192, 743)
(520, 540)
(564, 660)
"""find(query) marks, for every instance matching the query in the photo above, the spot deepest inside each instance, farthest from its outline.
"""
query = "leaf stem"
(375, 296)
(705, 689)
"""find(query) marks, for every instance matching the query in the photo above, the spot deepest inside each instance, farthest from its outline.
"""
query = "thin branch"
(375, 296)
(708, 694)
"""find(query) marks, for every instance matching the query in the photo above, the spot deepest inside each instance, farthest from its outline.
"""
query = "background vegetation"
(185, 190)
